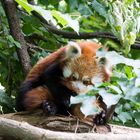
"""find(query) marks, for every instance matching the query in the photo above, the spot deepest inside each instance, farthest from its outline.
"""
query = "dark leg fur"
(49, 108)
(100, 119)
(51, 79)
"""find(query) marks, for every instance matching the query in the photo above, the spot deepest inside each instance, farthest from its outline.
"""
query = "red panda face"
(82, 69)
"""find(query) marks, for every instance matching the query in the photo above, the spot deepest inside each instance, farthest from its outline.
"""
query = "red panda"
(71, 70)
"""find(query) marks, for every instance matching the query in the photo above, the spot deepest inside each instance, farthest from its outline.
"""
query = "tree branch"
(20, 129)
(15, 30)
(35, 36)
(81, 35)
(37, 48)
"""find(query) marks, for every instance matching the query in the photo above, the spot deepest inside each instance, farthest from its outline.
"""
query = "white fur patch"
(81, 88)
(67, 71)
(73, 50)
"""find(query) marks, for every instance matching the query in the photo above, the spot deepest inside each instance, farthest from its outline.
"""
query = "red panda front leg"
(40, 97)
(100, 119)
(49, 107)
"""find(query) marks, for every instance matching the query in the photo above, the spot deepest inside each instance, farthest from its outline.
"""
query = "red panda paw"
(49, 107)
(100, 119)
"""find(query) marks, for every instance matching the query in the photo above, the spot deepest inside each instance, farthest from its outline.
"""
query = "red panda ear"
(73, 50)
(102, 61)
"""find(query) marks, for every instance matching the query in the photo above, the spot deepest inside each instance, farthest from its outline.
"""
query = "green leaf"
(45, 13)
(59, 17)
(84, 10)
(4, 99)
(128, 71)
(137, 117)
(125, 116)
(25, 5)
(62, 6)
(137, 82)
(27, 29)
(109, 98)
(89, 106)
(73, 4)
(17, 44)
(50, 16)
(131, 93)
(65, 19)
(116, 89)
(78, 99)
(99, 8)
(11, 39)
(119, 59)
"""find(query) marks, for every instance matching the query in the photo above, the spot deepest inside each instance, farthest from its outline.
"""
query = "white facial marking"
(67, 71)
(81, 88)
(85, 77)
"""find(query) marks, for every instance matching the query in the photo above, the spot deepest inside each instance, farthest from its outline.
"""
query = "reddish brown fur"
(89, 48)
(36, 96)
(44, 63)
(87, 51)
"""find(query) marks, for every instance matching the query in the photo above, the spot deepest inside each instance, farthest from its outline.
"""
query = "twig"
(34, 47)
(36, 36)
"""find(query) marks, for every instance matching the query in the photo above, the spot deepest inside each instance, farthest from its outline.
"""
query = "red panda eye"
(74, 78)
(86, 81)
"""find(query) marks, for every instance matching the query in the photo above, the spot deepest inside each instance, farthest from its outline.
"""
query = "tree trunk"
(15, 30)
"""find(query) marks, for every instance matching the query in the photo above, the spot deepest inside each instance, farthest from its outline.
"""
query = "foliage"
(10, 68)
(124, 89)
(52, 16)
(122, 18)
(6, 102)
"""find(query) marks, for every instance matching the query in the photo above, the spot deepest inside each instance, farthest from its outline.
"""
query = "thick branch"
(73, 35)
(21, 130)
(81, 35)
(15, 30)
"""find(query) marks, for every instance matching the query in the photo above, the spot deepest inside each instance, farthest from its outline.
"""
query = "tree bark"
(15, 30)
(20, 129)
